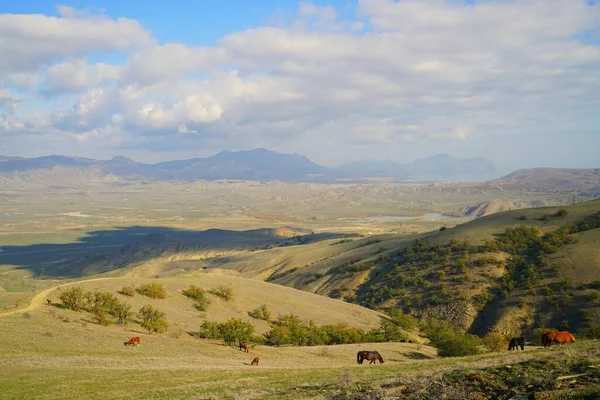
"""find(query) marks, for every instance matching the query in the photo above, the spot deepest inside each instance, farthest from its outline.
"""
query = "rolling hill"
(585, 182)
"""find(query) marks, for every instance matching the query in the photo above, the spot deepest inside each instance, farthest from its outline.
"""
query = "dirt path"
(41, 297)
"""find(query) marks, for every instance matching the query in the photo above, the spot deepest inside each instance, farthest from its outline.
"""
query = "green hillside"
(512, 272)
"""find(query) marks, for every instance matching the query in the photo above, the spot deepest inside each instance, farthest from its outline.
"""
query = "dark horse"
(369, 356)
(557, 337)
(515, 343)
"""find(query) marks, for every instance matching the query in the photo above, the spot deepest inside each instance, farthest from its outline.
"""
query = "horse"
(134, 341)
(255, 361)
(49, 302)
(245, 347)
(369, 356)
(515, 343)
(557, 337)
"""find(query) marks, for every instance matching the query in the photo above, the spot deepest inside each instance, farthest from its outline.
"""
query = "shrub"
(101, 304)
(261, 312)
(235, 330)
(153, 319)
(198, 295)
(458, 345)
(122, 312)
(224, 291)
(561, 213)
(152, 290)
(127, 291)
(73, 298)
(451, 343)
(443, 228)
(495, 342)
(209, 330)
(592, 332)
(404, 321)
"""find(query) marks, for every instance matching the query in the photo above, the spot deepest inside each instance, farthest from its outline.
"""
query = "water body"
(395, 218)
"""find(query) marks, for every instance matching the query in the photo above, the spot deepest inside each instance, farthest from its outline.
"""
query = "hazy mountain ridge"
(257, 164)
(265, 165)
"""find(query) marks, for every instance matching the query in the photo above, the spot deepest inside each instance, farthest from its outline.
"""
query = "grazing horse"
(255, 361)
(515, 343)
(49, 302)
(369, 356)
(245, 347)
(134, 341)
(557, 337)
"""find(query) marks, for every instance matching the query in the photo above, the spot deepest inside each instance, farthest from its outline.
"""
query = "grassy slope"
(248, 294)
(45, 358)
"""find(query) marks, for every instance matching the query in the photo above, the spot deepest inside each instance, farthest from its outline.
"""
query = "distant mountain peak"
(123, 159)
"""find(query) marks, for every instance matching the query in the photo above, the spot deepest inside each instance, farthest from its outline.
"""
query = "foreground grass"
(18, 382)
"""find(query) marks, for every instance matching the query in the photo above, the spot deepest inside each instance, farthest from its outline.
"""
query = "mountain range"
(257, 164)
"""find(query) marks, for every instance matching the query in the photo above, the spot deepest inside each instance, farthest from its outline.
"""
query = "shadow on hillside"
(106, 250)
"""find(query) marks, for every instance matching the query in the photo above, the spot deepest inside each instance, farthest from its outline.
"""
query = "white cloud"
(31, 41)
(8, 103)
(416, 72)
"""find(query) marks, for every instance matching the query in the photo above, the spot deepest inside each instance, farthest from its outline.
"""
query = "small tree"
(495, 342)
(235, 330)
(153, 290)
(209, 330)
(122, 312)
(224, 291)
(101, 304)
(153, 319)
(261, 312)
(73, 298)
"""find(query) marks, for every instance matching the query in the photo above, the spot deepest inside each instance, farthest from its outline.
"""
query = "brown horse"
(134, 341)
(49, 302)
(557, 337)
(515, 343)
(369, 356)
(245, 347)
(255, 361)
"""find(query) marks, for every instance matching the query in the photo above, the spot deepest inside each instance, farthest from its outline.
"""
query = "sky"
(515, 81)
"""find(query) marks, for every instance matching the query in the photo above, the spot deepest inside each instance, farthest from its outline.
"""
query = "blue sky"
(201, 22)
(335, 80)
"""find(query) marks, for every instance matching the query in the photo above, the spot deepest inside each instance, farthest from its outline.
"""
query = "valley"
(349, 256)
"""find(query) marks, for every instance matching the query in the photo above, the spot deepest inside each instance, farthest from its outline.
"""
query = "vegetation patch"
(225, 292)
(127, 291)
(153, 319)
(261, 312)
(197, 294)
(153, 290)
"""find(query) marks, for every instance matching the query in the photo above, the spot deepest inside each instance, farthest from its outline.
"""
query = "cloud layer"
(423, 75)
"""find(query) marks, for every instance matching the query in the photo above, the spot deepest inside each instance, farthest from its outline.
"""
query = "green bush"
(224, 291)
(209, 330)
(153, 319)
(261, 312)
(495, 342)
(101, 304)
(127, 291)
(153, 290)
(235, 330)
(198, 295)
(122, 312)
(452, 343)
(459, 345)
(73, 298)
